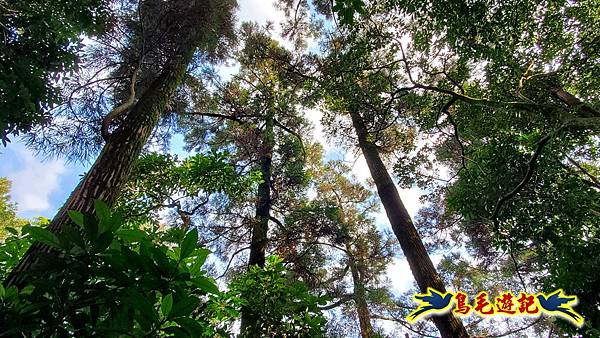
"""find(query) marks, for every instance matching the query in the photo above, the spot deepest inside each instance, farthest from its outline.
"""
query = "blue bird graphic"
(557, 303)
(432, 302)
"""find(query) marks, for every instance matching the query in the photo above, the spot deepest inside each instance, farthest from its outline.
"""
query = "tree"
(263, 127)
(8, 210)
(276, 304)
(181, 37)
(506, 85)
(364, 90)
(333, 243)
(41, 42)
(515, 103)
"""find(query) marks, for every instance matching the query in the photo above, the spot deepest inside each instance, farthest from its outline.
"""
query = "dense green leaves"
(40, 44)
(160, 180)
(106, 281)
(276, 304)
(9, 222)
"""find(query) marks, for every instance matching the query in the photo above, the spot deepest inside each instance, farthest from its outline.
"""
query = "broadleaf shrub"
(276, 304)
(106, 281)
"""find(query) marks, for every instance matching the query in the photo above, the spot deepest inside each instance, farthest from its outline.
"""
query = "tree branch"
(511, 332)
(403, 323)
(343, 299)
(280, 125)
(230, 260)
(530, 169)
(594, 179)
(117, 111)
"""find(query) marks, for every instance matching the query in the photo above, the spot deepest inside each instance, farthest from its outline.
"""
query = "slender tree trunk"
(258, 243)
(420, 264)
(360, 299)
(109, 173)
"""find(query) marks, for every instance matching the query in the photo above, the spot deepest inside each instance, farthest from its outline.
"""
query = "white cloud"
(259, 11)
(400, 275)
(33, 183)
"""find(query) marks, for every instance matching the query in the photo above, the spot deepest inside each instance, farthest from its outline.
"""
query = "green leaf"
(11, 292)
(174, 331)
(12, 231)
(166, 305)
(184, 307)
(26, 291)
(76, 217)
(71, 235)
(201, 255)
(144, 306)
(103, 241)
(232, 312)
(192, 326)
(206, 285)
(132, 235)
(161, 260)
(116, 221)
(91, 227)
(102, 210)
(44, 235)
(189, 244)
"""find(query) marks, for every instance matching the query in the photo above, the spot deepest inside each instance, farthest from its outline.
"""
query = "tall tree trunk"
(360, 299)
(109, 173)
(258, 243)
(420, 264)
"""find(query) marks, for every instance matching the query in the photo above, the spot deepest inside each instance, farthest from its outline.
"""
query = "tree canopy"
(258, 226)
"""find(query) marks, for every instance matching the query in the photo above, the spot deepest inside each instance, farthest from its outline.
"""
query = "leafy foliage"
(277, 305)
(16, 243)
(159, 181)
(9, 222)
(106, 280)
(40, 45)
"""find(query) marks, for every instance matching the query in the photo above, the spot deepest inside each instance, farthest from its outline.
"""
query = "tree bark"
(420, 264)
(258, 243)
(360, 299)
(581, 109)
(109, 173)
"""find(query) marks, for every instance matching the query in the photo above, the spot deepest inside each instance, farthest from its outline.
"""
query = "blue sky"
(39, 186)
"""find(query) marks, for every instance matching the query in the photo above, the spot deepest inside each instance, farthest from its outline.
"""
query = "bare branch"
(403, 323)
(231, 259)
(121, 108)
(343, 299)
